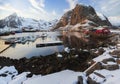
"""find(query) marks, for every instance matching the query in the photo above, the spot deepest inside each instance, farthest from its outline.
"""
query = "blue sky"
(51, 9)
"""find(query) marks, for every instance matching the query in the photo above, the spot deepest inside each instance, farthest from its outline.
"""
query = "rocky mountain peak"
(81, 14)
(13, 20)
(14, 14)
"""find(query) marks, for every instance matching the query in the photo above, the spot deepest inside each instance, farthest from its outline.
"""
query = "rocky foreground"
(58, 62)
(77, 61)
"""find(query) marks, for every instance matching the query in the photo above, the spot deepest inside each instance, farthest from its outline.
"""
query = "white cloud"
(27, 8)
(41, 4)
(109, 7)
(39, 11)
(54, 13)
(115, 20)
(72, 4)
(38, 6)
(31, 14)
(8, 9)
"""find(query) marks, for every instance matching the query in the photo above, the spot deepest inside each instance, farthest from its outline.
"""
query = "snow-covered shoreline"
(62, 77)
(9, 75)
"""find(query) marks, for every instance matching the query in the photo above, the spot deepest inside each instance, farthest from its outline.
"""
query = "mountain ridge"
(14, 21)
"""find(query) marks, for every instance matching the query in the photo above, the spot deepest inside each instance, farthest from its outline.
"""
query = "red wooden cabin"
(103, 31)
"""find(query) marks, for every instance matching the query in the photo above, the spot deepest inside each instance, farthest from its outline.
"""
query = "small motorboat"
(44, 35)
(12, 33)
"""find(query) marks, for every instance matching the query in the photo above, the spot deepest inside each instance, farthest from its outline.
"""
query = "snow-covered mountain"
(47, 24)
(15, 21)
(11, 21)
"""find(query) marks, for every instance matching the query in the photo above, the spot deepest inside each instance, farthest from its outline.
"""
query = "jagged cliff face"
(64, 19)
(80, 14)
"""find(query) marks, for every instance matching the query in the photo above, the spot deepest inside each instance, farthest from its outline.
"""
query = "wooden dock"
(55, 43)
(3, 47)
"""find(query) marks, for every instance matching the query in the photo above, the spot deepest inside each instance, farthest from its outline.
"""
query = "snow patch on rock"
(102, 17)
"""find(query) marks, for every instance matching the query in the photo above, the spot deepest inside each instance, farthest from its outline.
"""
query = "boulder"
(3, 75)
(115, 53)
(90, 81)
(80, 80)
(108, 60)
(110, 67)
(118, 61)
(29, 75)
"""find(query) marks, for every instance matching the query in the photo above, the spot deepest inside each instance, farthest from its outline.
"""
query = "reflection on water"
(29, 49)
(74, 40)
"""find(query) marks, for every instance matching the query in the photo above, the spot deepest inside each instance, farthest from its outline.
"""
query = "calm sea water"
(29, 49)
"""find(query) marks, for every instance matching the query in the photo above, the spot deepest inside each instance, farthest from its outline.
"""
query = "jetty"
(45, 44)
